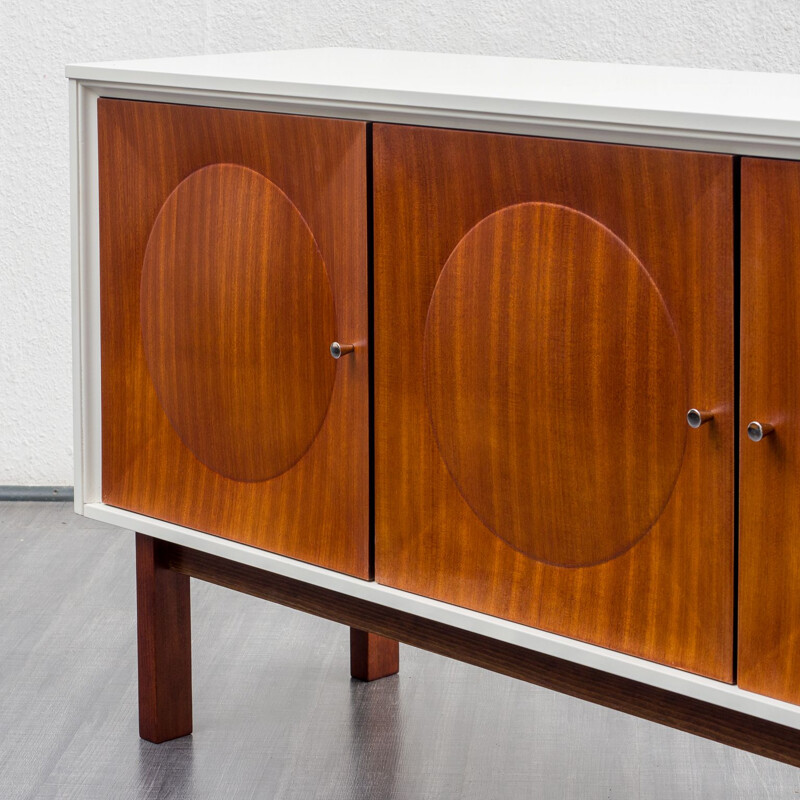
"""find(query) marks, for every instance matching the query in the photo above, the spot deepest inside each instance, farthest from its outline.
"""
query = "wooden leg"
(372, 656)
(165, 645)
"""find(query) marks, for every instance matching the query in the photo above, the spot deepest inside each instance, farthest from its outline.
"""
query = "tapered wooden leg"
(372, 656)
(165, 646)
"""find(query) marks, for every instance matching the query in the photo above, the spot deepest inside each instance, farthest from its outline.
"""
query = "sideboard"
(495, 357)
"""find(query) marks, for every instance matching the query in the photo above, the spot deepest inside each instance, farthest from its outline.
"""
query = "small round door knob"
(339, 350)
(756, 431)
(696, 418)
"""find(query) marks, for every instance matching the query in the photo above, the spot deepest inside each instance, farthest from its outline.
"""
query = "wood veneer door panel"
(546, 312)
(233, 249)
(769, 501)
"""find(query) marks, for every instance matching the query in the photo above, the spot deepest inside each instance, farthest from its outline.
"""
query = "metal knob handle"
(696, 418)
(756, 431)
(339, 350)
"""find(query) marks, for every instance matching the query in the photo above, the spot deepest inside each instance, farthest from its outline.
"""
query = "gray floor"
(276, 715)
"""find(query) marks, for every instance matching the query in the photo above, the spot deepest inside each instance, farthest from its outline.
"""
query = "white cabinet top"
(751, 112)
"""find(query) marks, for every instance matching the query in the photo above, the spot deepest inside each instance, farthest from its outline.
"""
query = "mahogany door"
(769, 476)
(233, 249)
(546, 313)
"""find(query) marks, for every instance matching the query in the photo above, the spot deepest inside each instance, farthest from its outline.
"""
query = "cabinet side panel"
(75, 258)
(769, 539)
(546, 312)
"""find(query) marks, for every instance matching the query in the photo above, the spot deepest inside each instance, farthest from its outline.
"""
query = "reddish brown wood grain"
(769, 476)
(533, 369)
(222, 409)
(237, 317)
(371, 656)
(165, 645)
(548, 352)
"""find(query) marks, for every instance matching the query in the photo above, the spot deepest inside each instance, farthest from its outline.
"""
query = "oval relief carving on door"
(237, 315)
(555, 384)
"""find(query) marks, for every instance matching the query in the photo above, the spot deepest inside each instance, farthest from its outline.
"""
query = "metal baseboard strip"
(37, 493)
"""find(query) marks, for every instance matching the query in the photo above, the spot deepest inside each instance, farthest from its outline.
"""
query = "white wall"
(37, 37)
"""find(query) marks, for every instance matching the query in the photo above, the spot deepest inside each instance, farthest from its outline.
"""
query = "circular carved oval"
(555, 384)
(237, 315)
